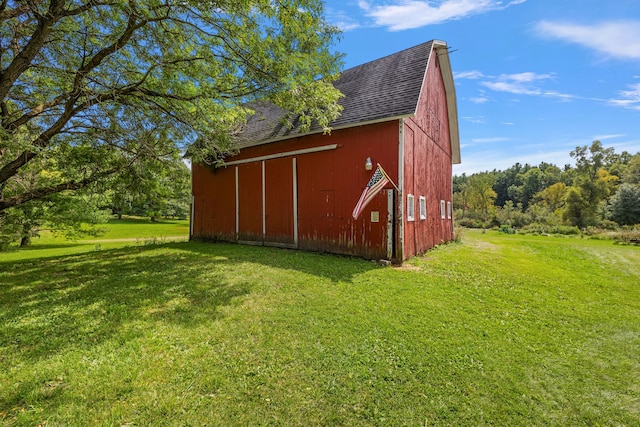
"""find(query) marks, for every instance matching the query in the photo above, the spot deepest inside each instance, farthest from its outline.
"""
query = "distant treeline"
(602, 191)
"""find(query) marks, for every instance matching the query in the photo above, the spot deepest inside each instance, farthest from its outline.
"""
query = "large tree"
(94, 85)
(481, 193)
(592, 183)
(625, 205)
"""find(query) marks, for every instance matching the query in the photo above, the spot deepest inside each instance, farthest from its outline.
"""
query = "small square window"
(423, 207)
(443, 212)
(410, 207)
(448, 210)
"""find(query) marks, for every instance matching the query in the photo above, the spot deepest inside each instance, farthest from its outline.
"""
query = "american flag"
(376, 183)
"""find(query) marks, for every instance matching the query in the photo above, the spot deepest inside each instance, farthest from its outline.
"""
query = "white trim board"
(283, 154)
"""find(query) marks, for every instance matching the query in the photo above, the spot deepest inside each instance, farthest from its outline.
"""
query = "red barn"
(299, 190)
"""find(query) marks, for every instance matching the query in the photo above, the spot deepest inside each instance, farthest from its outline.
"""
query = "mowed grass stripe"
(497, 330)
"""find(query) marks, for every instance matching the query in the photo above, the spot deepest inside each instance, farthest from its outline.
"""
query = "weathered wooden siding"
(279, 201)
(214, 203)
(427, 166)
(300, 192)
(328, 182)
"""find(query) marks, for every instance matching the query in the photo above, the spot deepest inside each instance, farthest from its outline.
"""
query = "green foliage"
(578, 211)
(95, 87)
(632, 171)
(481, 193)
(547, 198)
(71, 215)
(507, 229)
(624, 206)
(153, 188)
(548, 229)
(498, 330)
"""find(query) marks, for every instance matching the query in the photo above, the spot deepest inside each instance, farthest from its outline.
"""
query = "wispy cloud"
(475, 119)
(479, 100)
(520, 83)
(605, 137)
(527, 83)
(473, 75)
(532, 84)
(618, 39)
(628, 98)
(342, 19)
(400, 15)
(491, 140)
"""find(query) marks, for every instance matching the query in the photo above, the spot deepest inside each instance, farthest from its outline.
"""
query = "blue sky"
(534, 78)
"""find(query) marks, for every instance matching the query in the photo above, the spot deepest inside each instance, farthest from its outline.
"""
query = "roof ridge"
(383, 89)
(398, 53)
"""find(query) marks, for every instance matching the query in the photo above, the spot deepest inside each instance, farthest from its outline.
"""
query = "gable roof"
(381, 90)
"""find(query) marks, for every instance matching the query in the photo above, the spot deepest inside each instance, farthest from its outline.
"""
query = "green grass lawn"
(496, 330)
(118, 233)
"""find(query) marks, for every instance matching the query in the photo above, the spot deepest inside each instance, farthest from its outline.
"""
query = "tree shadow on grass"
(336, 268)
(48, 305)
(40, 247)
(59, 305)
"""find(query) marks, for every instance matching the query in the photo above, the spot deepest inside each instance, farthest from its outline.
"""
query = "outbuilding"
(299, 191)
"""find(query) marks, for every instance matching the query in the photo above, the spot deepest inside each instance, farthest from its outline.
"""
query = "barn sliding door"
(279, 202)
(249, 203)
(266, 202)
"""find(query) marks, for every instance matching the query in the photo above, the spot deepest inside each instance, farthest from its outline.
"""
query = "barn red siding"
(214, 203)
(427, 166)
(300, 192)
(279, 207)
(329, 184)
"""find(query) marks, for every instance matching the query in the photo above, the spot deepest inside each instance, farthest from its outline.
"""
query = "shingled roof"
(385, 89)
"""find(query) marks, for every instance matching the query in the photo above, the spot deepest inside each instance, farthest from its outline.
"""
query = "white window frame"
(423, 208)
(443, 213)
(448, 210)
(411, 208)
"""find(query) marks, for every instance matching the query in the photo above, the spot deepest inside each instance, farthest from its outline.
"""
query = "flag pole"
(389, 178)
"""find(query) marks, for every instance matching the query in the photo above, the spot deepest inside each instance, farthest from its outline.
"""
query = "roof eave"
(452, 107)
(346, 126)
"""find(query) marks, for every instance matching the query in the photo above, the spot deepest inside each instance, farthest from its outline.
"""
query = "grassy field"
(118, 233)
(496, 330)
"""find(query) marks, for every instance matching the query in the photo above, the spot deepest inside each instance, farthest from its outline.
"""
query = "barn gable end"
(298, 190)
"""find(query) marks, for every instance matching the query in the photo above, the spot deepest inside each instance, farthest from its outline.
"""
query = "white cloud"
(342, 20)
(532, 84)
(618, 39)
(408, 14)
(628, 98)
(473, 75)
(605, 137)
(489, 140)
(519, 83)
(527, 83)
(477, 120)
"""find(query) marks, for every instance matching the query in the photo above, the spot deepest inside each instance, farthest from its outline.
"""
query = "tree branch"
(12, 13)
(35, 111)
(6, 203)
(24, 58)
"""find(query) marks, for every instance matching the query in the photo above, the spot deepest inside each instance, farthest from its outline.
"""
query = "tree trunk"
(25, 241)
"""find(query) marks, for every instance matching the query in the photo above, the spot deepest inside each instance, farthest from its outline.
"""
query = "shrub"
(507, 229)
(457, 233)
(540, 228)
